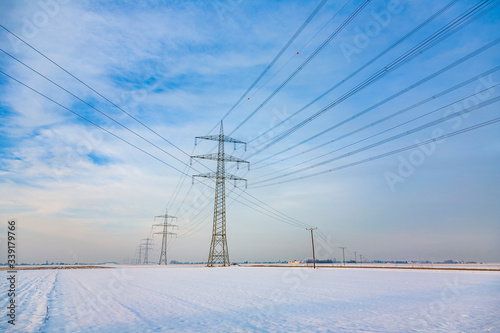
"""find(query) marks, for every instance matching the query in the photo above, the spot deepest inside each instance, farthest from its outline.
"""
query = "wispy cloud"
(178, 67)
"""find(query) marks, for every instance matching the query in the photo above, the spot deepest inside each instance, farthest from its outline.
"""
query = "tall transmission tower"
(165, 233)
(218, 247)
(147, 246)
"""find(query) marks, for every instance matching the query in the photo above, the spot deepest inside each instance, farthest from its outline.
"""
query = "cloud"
(178, 67)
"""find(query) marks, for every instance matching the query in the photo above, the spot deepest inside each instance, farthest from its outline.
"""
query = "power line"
(105, 98)
(178, 187)
(430, 41)
(95, 91)
(398, 42)
(299, 49)
(291, 220)
(392, 138)
(192, 229)
(306, 62)
(277, 215)
(95, 124)
(269, 211)
(90, 121)
(320, 5)
(432, 98)
(449, 5)
(93, 107)
(442, 137)
(397, 94)
(280, 53)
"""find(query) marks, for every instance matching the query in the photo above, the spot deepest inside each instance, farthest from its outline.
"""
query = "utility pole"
(147, 247)
(361, 257)
(312, 241)
(164, 233)
(355, 258)
(343, 254)
(218, 252)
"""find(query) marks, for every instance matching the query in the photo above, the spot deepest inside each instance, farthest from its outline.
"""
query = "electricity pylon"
(147, 246)
(139, 248)
(218, 247)
(165, 233)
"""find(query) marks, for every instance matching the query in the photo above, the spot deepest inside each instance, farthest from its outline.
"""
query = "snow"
(254, 299)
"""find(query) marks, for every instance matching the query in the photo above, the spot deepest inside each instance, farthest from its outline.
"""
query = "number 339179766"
(11, 245)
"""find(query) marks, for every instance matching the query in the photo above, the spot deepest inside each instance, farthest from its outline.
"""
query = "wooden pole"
(312, 241)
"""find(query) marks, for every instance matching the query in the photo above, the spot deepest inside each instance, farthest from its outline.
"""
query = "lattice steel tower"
(165, 233)
(147, 246)
(218, 248)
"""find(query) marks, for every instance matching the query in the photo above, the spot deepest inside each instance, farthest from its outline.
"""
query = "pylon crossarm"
(163, 224)
(206, 175)
(206, 137)
(230, 158)
(214, 175)
(218, 138)
(167, 216)
(164, 233)
(227, 158)
(206, 156)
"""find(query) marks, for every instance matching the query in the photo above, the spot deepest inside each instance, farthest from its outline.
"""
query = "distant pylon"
(139, 248)
(218, 252)
(147, 246)
(165, 233)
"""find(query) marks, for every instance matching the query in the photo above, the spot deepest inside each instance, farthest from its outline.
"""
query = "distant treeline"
(322, 261)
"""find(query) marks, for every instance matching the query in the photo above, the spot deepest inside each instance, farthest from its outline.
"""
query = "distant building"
(294, 262)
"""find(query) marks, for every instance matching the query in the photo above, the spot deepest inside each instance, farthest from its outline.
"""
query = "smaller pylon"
(138, 253)
(147, 246)
(165, 233)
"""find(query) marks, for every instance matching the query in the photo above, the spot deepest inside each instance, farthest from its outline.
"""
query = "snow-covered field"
(253, 299)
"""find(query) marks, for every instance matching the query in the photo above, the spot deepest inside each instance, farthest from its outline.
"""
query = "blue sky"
(80, 194)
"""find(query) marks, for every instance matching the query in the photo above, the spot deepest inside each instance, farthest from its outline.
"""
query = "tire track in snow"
(229, 312)
(51, 296)
(32, 296)
(85, 300)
